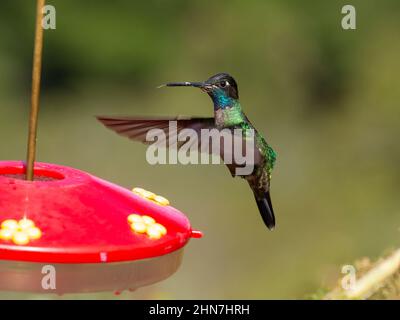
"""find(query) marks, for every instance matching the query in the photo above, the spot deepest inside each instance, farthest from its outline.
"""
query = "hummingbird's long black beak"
(204, 86)
(186, 84)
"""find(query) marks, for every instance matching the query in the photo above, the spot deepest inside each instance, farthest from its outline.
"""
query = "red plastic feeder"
(83, 232)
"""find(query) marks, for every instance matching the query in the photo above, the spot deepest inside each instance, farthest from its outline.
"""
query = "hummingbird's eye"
(223, 84)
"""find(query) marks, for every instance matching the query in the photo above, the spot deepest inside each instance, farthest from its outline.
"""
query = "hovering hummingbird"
(228, 114)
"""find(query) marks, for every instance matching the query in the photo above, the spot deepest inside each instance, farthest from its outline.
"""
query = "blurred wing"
(137, 128)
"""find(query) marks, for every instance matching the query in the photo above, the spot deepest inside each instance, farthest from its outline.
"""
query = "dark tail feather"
(267, 212)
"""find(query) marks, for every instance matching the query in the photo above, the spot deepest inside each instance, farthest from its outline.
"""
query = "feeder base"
(86, 277)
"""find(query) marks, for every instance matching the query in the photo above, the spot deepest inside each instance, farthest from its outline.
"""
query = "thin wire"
(35, 94)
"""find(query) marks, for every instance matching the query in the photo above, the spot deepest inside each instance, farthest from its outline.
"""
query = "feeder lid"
(83, 219)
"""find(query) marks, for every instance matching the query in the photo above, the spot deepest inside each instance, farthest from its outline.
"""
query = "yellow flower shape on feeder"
(147, 225)
(151, 196)
(20, 232)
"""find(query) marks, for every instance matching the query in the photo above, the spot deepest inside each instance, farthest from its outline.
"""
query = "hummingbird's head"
(222, 89)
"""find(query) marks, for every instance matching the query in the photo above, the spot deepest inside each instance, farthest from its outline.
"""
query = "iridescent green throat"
(229, 116)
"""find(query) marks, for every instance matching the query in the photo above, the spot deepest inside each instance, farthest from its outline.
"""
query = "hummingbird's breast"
(228, 117)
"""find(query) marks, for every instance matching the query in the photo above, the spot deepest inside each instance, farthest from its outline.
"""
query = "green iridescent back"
(268, 152)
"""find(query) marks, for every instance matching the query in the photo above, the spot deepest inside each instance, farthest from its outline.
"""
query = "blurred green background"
(326, 99)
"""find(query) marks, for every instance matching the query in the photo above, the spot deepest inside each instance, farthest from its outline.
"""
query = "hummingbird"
(228, 114)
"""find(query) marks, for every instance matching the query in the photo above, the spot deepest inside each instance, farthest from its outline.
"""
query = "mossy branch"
(378, 281)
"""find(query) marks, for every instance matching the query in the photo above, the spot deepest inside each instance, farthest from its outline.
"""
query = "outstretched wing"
(138, 128)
